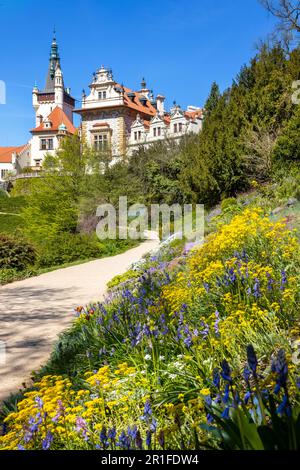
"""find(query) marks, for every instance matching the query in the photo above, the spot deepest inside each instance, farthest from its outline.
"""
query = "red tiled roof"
(136, 104)
(193, 114)
(56, 117)
(6, 153)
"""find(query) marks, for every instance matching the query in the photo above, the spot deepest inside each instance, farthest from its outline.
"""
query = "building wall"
(4, 167)
(118, 122)
(36, 152)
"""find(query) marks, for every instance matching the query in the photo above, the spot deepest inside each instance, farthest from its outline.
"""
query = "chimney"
(160, 99)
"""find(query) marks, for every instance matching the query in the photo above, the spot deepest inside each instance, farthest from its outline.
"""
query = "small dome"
(62, 127)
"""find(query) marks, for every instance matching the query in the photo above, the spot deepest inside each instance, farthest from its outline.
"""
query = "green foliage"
(122, 278)
(3, 194)
(288, 144)
(66, 248)
(15, 253)
(213, 99)
(10, 223)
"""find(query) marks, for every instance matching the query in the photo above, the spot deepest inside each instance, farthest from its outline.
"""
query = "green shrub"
(229, 204)
(66, 248)
(3, 194)
(15, 253)
(121, 278)
(10, 223)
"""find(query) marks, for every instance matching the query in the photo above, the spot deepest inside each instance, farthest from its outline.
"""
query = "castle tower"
(59, 87)
(54, 94)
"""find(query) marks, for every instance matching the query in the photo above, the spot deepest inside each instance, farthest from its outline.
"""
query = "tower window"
(100, 142)
(175, 128)
(102, 95)
(46, 144)
(180, 126)
(154, 131)
(158, 131)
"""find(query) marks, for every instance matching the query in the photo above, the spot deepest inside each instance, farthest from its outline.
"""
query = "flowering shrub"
(176, 322)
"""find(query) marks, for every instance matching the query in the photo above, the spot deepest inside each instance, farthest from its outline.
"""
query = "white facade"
(118, 120)
(5, 169)
(115, 120)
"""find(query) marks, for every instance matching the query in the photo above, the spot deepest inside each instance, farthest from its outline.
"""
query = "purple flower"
(153, 425)
(247, 375)
(216, 378)
(148, 438)
(104, 437)
(283, 280)
(284, 407)
(139, 440)
(46, 444)
(111, 434)
(256, 289)
(132, 432)
(39, 402)
(206, 286)
(216, 325)
(225, 414)
(252, 359)
(247, 397)
(124, 441)
(280, 367)
(226, 371)
(81, 427)
(225, 397)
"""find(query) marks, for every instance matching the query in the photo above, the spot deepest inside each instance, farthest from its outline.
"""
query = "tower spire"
(54, 61)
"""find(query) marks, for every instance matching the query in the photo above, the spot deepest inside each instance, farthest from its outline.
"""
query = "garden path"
(34, 311)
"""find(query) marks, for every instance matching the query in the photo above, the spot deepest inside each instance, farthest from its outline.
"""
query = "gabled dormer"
(157, 128)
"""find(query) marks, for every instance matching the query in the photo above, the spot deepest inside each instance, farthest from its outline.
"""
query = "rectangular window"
(101, 142)
(154, 131)
(175, 128)
(3, 174)
(102, 95)
(158, 131)
(135, 136)
(180, 126)
(46, 144)
(140, 135)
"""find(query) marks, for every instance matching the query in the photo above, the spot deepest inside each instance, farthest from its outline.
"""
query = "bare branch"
(287, 11)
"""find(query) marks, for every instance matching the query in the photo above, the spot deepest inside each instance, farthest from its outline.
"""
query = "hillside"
(166, 361)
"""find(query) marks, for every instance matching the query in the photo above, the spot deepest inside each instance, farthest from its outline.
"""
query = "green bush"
(121, 278)
(15, 253)
(229, 204)
(66, 248)
(3, 194)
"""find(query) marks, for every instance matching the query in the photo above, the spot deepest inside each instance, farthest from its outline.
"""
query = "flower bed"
(165, 362)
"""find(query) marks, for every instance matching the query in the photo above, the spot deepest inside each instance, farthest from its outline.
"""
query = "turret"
(35, 101)
(59, 87)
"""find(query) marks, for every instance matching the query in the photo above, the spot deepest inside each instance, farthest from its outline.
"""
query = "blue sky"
(180, 46)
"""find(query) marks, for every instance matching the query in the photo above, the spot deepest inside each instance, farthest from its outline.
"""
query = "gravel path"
(34, 311)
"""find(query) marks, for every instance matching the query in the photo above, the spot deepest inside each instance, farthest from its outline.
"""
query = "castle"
(115, 120)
